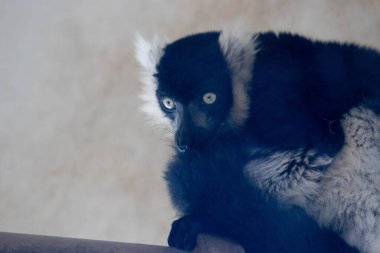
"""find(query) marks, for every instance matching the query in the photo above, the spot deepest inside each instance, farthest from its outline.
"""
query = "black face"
(194, 89)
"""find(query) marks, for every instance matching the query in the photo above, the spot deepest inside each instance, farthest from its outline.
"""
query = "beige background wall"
(77, 158)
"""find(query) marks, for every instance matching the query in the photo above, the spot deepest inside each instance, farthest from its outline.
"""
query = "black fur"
(299, 91)
(301, 88)
(210, 190)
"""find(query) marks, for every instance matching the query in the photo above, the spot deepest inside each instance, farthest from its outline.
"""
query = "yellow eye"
(209, 98)
(168, 103)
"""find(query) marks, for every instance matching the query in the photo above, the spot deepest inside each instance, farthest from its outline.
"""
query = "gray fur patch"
(345, 196)
(291, 176)
(349, 196)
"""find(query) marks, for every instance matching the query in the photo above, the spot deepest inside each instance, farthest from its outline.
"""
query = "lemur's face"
(194, 89)
(199, 83)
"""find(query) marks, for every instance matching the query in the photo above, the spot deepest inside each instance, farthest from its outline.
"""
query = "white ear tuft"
(148, 53)
(237, 46)
(239, 49)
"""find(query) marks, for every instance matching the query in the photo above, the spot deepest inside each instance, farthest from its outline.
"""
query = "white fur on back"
(149, 54)
(290, 176)
(345, 197)
(239, 49)
(349, 197)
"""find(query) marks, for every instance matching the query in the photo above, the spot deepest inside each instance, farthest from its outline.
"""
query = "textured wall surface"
(77, 158)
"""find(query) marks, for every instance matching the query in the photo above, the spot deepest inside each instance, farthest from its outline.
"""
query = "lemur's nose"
(181, 148)
(184, 141)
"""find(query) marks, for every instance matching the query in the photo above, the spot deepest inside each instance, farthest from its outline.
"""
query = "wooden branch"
(23, 243)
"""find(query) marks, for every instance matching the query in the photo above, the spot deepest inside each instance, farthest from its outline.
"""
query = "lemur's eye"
(209, 98)
(168, 103)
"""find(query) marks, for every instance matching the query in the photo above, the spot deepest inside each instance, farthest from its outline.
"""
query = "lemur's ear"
(239, 50)
(148, 53)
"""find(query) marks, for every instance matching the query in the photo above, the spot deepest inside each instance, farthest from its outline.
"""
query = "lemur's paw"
(184, 232)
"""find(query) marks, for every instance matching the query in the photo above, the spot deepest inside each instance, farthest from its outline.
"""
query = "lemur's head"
(198, 84)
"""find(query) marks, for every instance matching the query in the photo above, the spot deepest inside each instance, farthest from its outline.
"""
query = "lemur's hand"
(185, 230)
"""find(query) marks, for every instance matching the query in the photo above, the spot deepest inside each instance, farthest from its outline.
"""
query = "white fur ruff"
(239, 49)
(149, 54)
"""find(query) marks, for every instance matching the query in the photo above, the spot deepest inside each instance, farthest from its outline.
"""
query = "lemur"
(276, 137)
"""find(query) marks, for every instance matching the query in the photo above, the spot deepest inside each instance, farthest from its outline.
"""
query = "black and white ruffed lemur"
(277, 139)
